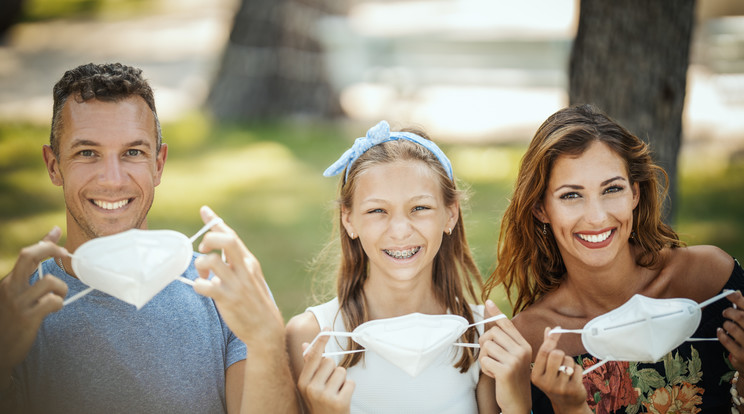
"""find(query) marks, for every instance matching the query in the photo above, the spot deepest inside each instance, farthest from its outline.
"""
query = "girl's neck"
(387, 299)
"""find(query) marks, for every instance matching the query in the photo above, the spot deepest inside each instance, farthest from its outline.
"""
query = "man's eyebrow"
(139, 142)
(89, 143)
(84, 143)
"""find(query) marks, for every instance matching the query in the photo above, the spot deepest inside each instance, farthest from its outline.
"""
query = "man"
(175, 354)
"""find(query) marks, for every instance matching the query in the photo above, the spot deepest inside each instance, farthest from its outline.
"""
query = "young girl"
(405, 272)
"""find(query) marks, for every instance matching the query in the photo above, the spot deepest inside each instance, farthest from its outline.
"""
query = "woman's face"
(398, 213)
(589, 206)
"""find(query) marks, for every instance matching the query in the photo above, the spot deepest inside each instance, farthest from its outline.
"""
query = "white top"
(384, 388)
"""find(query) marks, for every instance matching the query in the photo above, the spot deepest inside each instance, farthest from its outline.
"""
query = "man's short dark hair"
(109, 82)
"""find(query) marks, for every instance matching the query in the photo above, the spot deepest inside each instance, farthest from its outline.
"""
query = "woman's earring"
(449, 231)
(545, 229)
(351, 235)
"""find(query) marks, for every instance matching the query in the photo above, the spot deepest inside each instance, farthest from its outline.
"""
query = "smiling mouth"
(108, 205)
(402, 254)
(595, 238)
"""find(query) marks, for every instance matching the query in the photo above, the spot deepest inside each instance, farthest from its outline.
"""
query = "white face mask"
(134, 265)
(410, 342)
(643, 329)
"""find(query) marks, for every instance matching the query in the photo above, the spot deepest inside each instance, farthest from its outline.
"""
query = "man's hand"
(23, 306)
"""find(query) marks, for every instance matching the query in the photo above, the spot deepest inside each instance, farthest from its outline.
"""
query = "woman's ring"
(566, 370)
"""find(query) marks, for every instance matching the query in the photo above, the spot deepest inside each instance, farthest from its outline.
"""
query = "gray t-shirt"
(99, 354)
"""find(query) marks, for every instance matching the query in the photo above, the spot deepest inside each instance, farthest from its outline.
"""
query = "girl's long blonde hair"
(453, 267)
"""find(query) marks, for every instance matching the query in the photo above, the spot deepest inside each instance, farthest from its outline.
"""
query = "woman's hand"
(731, 334)
(322, 384)
(505, 356)
(559, 377)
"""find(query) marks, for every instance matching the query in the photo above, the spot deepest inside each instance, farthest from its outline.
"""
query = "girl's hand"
(505, 356)
(322, 384)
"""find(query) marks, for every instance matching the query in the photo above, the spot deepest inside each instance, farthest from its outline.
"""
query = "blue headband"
(377, 135)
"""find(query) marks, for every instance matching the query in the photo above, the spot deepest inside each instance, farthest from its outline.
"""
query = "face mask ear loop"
(701, 305)
(558, 329)
(489, 320)
(77, 296)
(74, 297)
(595, 366)
(561, 330)
(483, 322)
(330, 333)
(211, 223)
(719, 296)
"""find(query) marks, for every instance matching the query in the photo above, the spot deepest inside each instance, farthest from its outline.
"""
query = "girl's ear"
(346, 222)
(453, 212)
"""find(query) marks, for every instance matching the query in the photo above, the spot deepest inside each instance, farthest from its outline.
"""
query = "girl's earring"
(449, 231)
(545, 229)
(351, 235)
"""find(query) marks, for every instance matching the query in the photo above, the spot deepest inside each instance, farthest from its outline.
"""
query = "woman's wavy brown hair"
(530, 262)
(453, 268)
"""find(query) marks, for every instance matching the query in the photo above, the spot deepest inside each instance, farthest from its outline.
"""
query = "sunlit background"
(479, 75)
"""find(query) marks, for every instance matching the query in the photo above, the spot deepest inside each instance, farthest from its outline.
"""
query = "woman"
(406, 267)
(582, 235)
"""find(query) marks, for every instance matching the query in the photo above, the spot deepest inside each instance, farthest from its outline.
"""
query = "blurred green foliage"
(265, 180)
(36, 10)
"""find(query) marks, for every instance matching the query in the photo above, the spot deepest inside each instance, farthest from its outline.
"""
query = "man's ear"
(52, 164)
(160, 162)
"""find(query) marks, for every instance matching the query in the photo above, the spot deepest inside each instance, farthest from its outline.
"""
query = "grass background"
(265, 180)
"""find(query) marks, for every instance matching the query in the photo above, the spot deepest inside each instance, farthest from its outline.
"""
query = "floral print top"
(695, 377)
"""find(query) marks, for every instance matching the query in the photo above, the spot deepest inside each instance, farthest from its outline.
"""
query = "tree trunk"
(273, 65)
(630, 59)
(10, 11)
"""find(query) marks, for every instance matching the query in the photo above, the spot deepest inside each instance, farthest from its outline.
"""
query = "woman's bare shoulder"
(699, 272)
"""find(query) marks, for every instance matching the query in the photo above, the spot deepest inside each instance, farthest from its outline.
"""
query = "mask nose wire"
(211, 223)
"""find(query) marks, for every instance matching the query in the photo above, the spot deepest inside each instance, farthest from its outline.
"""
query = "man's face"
(108, 166)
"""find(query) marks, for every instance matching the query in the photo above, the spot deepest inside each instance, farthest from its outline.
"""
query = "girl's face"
(398, 213)
(589, 206)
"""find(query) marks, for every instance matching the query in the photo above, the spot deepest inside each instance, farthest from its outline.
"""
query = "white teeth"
(402, 254)
(111, 206)
(595, 238)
